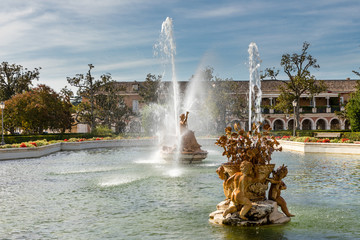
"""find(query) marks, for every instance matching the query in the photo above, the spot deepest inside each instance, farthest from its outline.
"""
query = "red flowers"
(344, 140)
(23, 145)
(34, 144)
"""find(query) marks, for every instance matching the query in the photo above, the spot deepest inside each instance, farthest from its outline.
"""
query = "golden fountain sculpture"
(246, 177)
(190, 150)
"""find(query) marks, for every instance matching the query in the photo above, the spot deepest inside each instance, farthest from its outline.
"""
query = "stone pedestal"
(262, 213)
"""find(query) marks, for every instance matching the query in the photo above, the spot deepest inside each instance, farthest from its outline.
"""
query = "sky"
(118, 36)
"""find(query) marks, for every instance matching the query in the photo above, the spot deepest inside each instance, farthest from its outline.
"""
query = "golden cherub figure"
(276, 186)
(240, 195)
(183, 121)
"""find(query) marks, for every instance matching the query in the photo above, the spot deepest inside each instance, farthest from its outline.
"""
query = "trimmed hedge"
(354, 136)
(10, 139)
(307, 133)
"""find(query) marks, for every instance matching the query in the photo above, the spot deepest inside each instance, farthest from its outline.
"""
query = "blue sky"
(117, 36)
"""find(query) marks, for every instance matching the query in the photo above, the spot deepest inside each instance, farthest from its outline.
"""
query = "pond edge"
(35, 152)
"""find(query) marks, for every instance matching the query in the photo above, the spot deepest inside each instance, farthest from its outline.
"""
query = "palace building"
(316, 113)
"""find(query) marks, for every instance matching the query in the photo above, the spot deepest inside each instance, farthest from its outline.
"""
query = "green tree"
(111, 109)
(150, 89)
(224, 100)
(87, 87)
(352, 109)
(15, 79)
(357, 73)
(297, 68)
(36, 110)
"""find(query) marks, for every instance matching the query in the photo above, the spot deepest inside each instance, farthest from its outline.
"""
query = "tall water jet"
(254, 81)
(185, 147)
(167, 48)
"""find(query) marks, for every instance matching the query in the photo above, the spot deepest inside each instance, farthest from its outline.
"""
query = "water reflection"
(126, 193)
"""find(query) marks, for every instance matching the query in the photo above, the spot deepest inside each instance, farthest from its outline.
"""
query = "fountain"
(129, 193)
(254, 84)
(246, 175)
(190, 149)
(181, 144)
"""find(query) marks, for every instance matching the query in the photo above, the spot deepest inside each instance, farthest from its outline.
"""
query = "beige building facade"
(316, 113)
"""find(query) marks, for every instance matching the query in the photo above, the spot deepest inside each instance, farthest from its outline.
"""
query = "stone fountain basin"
(184, 157)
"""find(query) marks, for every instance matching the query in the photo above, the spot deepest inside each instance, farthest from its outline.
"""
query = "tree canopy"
(15, 79)
(87, 88)
(36, 110)
(223, 99)
(150, 89)
(101, 103)
(356, 72)
(352, 109)
(110, 106)
(297, 67)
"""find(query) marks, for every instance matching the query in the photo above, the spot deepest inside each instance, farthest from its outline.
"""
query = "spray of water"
(166, 47)
(195, 102)
(254, 85)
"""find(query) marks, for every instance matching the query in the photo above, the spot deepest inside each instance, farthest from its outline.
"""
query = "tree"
(87, 88)
(36, 110)
(110, 106)
(355, 97)
(149, 90)
(15, 79)
(357, 73)
(352, 109)
(223, 99)
(297, 68)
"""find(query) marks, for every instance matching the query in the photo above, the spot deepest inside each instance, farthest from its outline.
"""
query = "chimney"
(348, 78)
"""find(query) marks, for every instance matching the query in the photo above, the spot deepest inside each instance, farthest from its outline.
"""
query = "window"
(342, 100)
(135, 106)
(135, 87)
(312, 102)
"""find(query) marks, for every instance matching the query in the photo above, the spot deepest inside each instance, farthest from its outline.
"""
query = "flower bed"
(316, 140)
(39, 143)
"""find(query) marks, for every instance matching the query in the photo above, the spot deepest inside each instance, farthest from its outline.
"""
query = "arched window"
(321, 124)
(291, 124)
(335, 124)
(307, 124)
(347, 125)
(278, 125)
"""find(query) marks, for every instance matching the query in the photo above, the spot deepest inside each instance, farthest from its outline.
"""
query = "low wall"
(343, 148)
(19, 153)
(34, 152)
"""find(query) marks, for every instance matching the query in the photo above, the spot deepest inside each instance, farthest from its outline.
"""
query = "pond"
(129, 193)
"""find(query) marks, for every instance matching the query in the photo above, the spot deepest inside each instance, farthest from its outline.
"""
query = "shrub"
(102, 131)
(354, 136)
(305, 139)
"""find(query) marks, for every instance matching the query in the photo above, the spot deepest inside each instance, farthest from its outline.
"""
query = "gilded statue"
(246, 177)
(183, 122)
(240, 195)
(188, 140)
(275, 189)
(229, 181)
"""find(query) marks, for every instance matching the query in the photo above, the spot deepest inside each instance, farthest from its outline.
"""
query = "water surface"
(129, 193)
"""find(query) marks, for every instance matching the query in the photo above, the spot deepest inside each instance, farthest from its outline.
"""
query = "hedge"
(306, 133)
(354, 136)
(10, 139)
